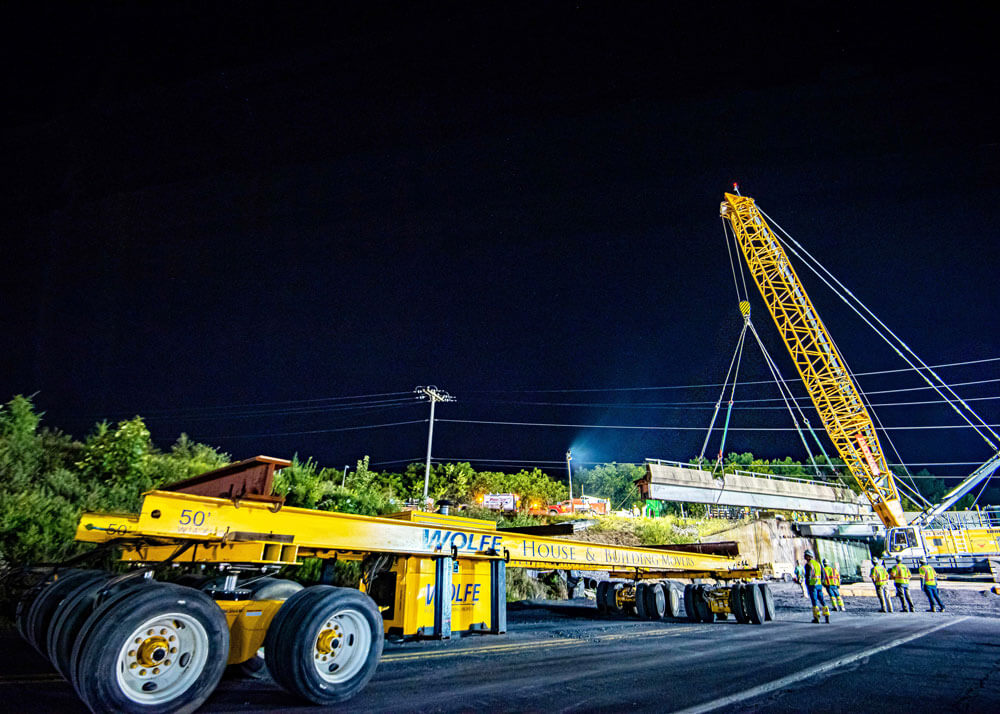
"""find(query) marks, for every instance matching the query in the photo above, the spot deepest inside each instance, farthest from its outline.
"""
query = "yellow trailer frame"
(425, 575)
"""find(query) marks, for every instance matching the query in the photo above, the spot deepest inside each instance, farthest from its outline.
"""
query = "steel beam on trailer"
(221, 524)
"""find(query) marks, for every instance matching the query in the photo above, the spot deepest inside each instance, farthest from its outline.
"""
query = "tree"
(613, 481)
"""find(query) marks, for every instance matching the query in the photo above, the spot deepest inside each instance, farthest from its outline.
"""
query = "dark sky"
(213, 206)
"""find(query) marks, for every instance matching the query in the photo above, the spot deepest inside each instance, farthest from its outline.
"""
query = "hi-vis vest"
(814, 572)
(928, 575)
(900, 574)
(880, 576)
(835, 580)
(828, 575)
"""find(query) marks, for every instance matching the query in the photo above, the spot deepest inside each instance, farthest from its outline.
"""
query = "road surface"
(563, 658)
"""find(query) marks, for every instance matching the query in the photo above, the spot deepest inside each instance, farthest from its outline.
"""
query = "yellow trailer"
(131, 643)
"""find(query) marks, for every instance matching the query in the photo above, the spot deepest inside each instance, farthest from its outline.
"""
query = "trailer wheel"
(656, 601)
(640, 601)
(702, 609)
(736, 604)
(325, 643)
(753, 603)
(689, 603)
(68, 625)
(69, 618)
(601, 597)
(611, 599)
(673, 596)
(161, 648)
(44, 608)
(23, 607)
(765, 591)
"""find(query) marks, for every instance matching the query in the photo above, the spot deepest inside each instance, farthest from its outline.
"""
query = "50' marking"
(192, 518)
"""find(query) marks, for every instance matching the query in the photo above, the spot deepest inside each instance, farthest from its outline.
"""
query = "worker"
(880, 579)
(814, 581)
(901, 577)
(831, 581)
(928, 581)
(799, 575)
(836, 584)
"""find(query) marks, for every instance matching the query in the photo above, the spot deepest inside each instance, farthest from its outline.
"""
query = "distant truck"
(584, 504)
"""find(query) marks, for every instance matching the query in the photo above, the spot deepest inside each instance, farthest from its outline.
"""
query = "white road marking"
(811, 671)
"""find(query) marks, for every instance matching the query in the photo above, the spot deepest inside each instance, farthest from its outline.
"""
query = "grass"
(660, 531)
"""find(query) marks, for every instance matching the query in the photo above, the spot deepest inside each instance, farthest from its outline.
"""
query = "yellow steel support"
(817, 360)
(248, 622)
(249, 532)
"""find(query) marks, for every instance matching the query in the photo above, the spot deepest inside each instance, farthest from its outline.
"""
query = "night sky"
(229, 218)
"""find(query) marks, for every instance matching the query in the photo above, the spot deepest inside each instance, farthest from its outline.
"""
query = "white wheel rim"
(341, 645)
(162, 658)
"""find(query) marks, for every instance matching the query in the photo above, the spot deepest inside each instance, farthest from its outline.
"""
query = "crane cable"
(792, 405)
(864, 397)
(737, 353)
(954, 400)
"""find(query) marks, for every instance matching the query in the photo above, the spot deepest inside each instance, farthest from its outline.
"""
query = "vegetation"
(655, 531)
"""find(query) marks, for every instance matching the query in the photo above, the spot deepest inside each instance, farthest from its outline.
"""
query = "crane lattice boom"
(833, 392)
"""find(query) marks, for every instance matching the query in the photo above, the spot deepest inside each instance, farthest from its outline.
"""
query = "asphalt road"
(562, 657)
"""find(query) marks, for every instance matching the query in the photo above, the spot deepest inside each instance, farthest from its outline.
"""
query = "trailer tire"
(315, 627)
(655, 601)
(23, 607)
(611, 599)
(736, 604)
(674, 596)
(178, 661)
(69, 618)
(640, 601)
(702, 609)
(601, 597)
(765, 591)
(107, 596)
(45, 606)
(753, 603)
(689, 610)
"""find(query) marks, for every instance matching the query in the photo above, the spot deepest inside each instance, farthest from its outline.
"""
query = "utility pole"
(435, 395)
(569, 472)
(343, 481)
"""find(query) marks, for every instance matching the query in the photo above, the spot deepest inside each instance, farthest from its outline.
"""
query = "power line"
(360, 406)
(706, 405)
(677, 428)
(313, 431)
(719, 384)
(266, 404)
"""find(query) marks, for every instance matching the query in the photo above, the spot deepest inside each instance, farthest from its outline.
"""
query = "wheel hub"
(328, 641)
(153, 651)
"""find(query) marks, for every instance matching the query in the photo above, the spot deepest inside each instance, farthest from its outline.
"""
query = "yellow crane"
(839, 402)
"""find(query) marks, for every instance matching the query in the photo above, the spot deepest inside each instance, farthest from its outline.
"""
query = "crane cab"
(899, 540)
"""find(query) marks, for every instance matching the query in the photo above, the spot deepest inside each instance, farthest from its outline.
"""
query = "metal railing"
(742, 472)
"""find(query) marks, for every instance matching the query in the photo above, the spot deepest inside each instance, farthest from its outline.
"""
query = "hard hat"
(898, 559)
(923, 560)
(825, 561)
(808, 554)
(874, 561)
